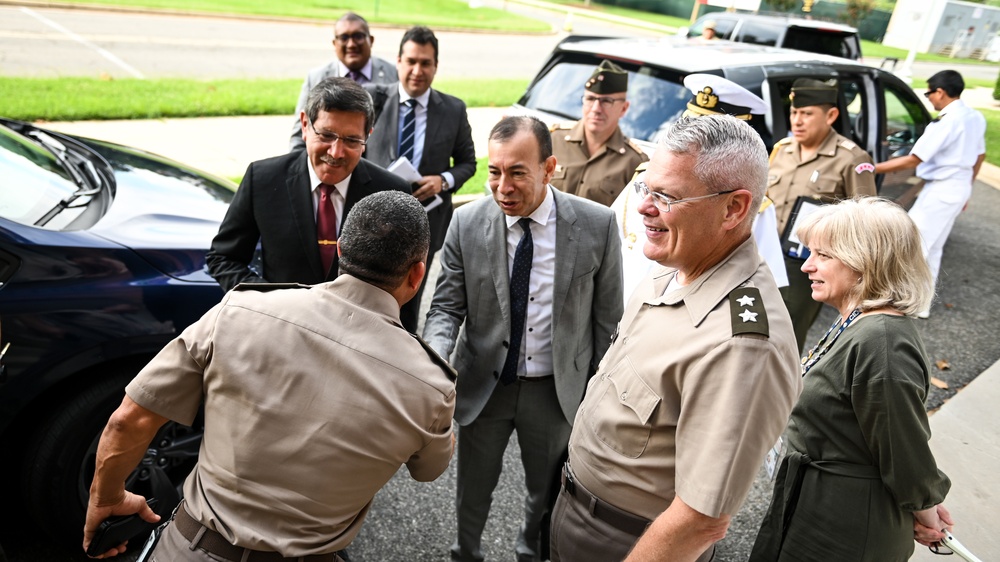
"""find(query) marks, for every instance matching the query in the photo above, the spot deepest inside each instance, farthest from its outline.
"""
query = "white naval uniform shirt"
(951, 144)
(535, 359)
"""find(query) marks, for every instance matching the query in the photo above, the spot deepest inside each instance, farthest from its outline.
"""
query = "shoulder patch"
(449, 371)
(267, 287)
(747, 312)
(848, 144)
(864, 167)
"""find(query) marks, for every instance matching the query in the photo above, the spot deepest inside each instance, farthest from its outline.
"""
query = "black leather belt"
(535, 379)
(617, 518)
(215, 544)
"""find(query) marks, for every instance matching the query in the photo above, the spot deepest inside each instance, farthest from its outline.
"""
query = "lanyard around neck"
(821, 347)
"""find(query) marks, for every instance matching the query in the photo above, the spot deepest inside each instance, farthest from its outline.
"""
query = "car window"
(723, 26)
(853, 103)
(760, 33)
(904, 122)
(818, 41)
(655, 98)
(31, 181)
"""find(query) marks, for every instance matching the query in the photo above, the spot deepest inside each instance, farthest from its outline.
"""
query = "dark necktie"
(356, 76)
(409, 130)
(326, 227)
(519, 276)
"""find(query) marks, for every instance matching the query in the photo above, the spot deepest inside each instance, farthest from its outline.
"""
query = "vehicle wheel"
(60, 462)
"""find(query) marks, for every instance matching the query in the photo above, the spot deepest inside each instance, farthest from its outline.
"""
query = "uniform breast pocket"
(622, 419)
(559, 173)
(825, 186)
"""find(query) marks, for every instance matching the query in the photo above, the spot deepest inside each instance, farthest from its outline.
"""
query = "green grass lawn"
(660, 19)
(75, 99)
(992, 135)
(432, 13)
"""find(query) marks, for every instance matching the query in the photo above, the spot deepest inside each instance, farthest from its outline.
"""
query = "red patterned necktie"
(326, 227)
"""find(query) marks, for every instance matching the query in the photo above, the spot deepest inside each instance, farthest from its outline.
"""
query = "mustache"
(331, 161)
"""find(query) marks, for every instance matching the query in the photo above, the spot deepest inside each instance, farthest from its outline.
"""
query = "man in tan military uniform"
(815, 162)
(701, 375)
(593, 158)
(308, 413)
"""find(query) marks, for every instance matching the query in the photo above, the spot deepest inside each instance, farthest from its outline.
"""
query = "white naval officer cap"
(713, 94)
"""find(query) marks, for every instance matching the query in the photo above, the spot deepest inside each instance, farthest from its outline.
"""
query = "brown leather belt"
(602, 510)
(215, 544)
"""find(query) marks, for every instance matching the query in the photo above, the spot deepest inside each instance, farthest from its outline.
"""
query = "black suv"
(877, 110)
(814, 36)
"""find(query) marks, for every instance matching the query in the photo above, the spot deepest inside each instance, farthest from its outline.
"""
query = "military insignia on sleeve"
(864, 167)
(747, 312)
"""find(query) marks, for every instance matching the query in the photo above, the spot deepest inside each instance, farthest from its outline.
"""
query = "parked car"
(102, 262)
(877, 110)
(814, 36)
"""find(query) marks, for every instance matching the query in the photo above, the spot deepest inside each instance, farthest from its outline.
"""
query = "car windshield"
(654, 99)
(32, 181)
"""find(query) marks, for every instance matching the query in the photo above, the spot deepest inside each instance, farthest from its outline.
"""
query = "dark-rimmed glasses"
(664, 202)
(928, 93)
(351, 143)
(357, 36)
(604, 101)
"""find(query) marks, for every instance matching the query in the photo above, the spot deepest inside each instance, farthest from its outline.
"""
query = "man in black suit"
(283, 201)
(438, 141)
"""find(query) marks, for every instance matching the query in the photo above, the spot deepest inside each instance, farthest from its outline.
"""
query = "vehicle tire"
(60, 461)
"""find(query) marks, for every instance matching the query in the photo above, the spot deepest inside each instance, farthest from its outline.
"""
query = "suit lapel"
(495, 240)
(567, 248)
(300, 201)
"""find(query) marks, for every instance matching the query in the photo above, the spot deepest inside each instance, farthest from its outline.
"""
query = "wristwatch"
(445, 186)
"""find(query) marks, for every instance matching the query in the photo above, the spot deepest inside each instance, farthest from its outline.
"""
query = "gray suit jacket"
(474, 287)
(448, 137)
(383, 72)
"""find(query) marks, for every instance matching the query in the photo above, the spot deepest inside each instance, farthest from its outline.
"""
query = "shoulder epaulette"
(848, 144)
(778, 146)
(557, 126)
(267, 287)
(634, 146)
(449, 371)
(764, 204)
(747, 312)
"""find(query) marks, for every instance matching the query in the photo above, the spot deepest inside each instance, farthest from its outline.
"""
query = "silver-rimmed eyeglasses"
(604, 101)
(664, 202)
(326, 137)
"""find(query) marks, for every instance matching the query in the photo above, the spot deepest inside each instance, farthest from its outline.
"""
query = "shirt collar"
(955, 105)
(542, 215)
(314, 182)
(422, 99)
(365, 71)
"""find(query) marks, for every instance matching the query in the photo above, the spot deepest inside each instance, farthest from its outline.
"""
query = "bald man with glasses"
(594, 160)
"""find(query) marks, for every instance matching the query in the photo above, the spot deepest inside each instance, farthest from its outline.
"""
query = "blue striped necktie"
(519, 277)
(409, 130)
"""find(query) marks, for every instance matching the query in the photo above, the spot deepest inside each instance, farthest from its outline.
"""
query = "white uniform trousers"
(934, 212)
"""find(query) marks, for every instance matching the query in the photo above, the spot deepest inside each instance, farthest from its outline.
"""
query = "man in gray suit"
(535, 275)
(352, 42)
(438, 140)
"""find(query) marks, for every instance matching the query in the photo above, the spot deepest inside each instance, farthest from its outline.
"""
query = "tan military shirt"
(840, 169)
(313, 399)
(600, 177)
(680, 405)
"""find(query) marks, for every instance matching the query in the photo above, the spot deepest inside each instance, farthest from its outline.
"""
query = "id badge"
(771, 460)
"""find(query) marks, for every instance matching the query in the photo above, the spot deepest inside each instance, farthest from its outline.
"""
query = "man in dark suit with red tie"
(294, 204)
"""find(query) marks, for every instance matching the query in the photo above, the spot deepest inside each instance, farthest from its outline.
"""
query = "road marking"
(171, 41)
(103, 52)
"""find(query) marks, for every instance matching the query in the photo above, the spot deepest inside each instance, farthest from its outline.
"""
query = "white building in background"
(945, 27)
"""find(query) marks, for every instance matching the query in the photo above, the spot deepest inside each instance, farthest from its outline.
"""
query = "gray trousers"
(531, 409)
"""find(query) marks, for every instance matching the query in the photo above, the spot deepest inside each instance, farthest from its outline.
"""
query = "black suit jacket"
(448, 137)
(274, 205)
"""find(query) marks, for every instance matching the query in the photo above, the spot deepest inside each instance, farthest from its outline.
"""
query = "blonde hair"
(876, 238)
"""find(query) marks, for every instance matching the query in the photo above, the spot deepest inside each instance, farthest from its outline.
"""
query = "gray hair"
(340, 94)
(876, 238)
(384, 235)
(729, 154)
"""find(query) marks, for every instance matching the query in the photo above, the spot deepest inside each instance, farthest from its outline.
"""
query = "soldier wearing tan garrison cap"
(818, 163)
(593, 158)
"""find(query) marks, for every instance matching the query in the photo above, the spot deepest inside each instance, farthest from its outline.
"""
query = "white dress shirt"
(951, 144)
(535, 359)
(339, 198)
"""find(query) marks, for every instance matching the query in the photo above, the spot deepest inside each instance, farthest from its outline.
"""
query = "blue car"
(102, 262)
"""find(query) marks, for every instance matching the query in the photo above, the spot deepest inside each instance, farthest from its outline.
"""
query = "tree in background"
(996, 90)
(782, 5)
(858, 10)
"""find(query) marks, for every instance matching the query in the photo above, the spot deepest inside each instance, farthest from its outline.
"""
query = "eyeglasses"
(928, 93)
(351, 143)
(357, 36)
(606, 102)
(664, 202)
